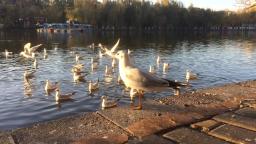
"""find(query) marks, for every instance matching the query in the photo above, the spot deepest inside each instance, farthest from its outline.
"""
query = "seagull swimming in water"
(190, 76)
(93, 86)
(152, 69)
(35, 64)
(107, 103)
(165, 67)
(28, 75)
(49, 87)
(63, 97)
(141, 81)
(7, 53)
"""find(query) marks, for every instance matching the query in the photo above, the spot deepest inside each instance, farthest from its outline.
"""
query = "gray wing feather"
(139, 78)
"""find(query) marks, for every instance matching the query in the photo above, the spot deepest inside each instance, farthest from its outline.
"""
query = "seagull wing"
(27, 46)
(115, 46)
(135, 78)
(34, 48)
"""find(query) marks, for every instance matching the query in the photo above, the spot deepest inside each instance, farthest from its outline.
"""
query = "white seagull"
(141, 81)
(93, 86)
(106, 103)
(7, 53)
(166, 66)
(29, 50)
(152, 69)
(113, 49)
(190, 76)
(63, 97)
(49, 87)
(28, 75)
(35, 64)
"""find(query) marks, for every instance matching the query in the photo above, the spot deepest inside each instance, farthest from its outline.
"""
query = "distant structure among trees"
(124, 14)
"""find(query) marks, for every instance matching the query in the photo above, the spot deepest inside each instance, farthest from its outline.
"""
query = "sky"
(212, 4)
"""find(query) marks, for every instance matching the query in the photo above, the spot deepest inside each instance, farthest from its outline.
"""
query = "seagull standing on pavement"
(141, 81)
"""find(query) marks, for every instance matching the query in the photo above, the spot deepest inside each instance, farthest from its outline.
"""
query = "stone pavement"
(219, 115)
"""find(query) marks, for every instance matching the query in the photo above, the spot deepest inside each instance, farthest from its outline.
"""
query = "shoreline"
(162, 120)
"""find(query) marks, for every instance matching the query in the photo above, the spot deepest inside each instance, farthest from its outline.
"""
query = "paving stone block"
(237, 120)
(189, 136)
(247, 112)
(153, 118)
(150, 126)
(206, 125)
(152, 139)
(103, 139)
(234, 134)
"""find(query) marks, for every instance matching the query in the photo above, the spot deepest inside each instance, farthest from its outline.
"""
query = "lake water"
(216, 58)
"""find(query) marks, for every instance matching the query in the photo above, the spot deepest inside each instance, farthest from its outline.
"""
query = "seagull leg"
(139, 107)
(176, 92)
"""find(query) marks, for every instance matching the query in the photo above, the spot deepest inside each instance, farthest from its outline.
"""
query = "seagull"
(106, 103)
(29, 50)
(111, 52)
(129, 51)
(113, 64)
(94, 64)
(108, 71)
(158, 60)
(28, 75)
(165, 67)
(152, 70)
(45, 51)
(190, 75)
(119, 80)
(7, 53)
(77, 68)
(133, 93)
(93, 86)
(141, 81)
(92, 46)
(100, 54)
(77, 58)
(63, 97)
(49, 87)
(78, 77)
(45, 54)
(26, 55)
(35, 64)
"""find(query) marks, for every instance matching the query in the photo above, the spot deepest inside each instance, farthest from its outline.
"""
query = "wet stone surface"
(234, 134)
(189, 136)
(152, 139)
(206, 125)
(153, 118)
(237, 120)
(103, 139)
(247, 112)
(6, 138)
(67, 130)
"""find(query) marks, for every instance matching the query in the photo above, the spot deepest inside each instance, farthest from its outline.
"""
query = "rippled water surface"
(216, 58)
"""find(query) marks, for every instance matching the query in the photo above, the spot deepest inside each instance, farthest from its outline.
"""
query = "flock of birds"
(133, 78)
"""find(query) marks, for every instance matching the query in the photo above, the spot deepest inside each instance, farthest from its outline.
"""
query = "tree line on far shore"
(130, 14)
